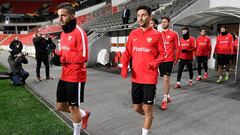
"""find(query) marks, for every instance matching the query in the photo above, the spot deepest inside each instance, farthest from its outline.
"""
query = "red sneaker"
(164, 105)
(178, 85)
(198, 78)
(205, 76)
(85, 120)
(169, 99)
(190, 83)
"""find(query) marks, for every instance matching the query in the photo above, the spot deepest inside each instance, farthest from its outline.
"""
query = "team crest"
(226, 37)
(149, 39)
(69, 38)
(135, 39)
(168, 36)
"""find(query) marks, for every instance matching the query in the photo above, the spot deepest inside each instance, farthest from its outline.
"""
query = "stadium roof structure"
(211, 16)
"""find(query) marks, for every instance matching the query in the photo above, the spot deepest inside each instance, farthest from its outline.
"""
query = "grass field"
(22, 114)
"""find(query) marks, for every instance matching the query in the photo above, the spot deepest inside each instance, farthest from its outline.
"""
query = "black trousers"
(181, 65)
(46, 64)
(125, 21)
(202, 60)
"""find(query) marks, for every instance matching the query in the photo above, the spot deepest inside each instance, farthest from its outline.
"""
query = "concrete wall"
(96, 47)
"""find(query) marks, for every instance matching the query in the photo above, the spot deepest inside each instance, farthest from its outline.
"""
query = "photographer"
(18, 75)
(16, 46)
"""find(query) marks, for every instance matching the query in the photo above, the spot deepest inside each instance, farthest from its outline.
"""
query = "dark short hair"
(203, 28)
(167, 18)
(67, 6)
(155, 21)
(148, 9)
(223, 26)
(185, 28)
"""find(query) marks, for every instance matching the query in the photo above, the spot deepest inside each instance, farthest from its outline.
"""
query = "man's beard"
(144, 23)
(166, 27)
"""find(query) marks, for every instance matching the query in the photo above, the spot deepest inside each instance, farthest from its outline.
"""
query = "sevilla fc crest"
(149, 39)
(69, 38)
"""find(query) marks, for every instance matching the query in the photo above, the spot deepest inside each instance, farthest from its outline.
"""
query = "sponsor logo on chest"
(66, 48)
(141, 49)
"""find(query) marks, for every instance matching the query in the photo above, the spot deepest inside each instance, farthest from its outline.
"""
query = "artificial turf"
(21, 113)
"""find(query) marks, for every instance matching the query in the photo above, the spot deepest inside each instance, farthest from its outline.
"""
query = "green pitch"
(22, 114)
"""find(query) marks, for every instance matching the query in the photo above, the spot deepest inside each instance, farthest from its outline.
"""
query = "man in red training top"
(73, 56)
(203, 53)
(185, 55)
(235, 44)
(235, 48)
(223, 50)
(170, 39)
(145, 48)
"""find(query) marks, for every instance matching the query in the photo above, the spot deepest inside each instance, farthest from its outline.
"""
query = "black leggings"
(204, 60)
(181, 65)
(46, 64)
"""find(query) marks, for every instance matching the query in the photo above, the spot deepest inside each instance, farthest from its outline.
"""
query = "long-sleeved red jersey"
(186, 49)
(146, 49)
(170, 39)
(203, 46)
(224, 44)
(235, 44)
(73, 55)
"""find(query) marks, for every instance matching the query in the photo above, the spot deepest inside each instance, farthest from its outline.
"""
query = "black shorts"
(223, 59)
(143, 93)
(165, 68)
(70, 92)
(201, 59)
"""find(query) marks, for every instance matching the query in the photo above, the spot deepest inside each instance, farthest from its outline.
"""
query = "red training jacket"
(203, 46)
(73, 55)
(189, 46)
(235, 43)
(146, 49)
(224, 44)
(170, 39)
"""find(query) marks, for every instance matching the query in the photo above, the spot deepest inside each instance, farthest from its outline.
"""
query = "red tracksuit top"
(203, 46)
(235, 43)
(74, 54)
(171, 44)
(224, 44)
(144, 47)
(188, 45)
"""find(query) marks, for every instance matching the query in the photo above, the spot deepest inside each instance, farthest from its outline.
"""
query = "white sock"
(199, 76)
(165, 97)
(220, 77)
(145, 131)
(178, 82)
(168, 96)
(190, 80)
(83, 113)
(77, 128)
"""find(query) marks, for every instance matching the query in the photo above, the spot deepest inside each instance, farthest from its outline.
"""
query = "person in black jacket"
(50, 49)
(41, 55)
(17, 74)
(16, 46)
(125, 15)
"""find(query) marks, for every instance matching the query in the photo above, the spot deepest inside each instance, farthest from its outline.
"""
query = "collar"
(70, 26)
